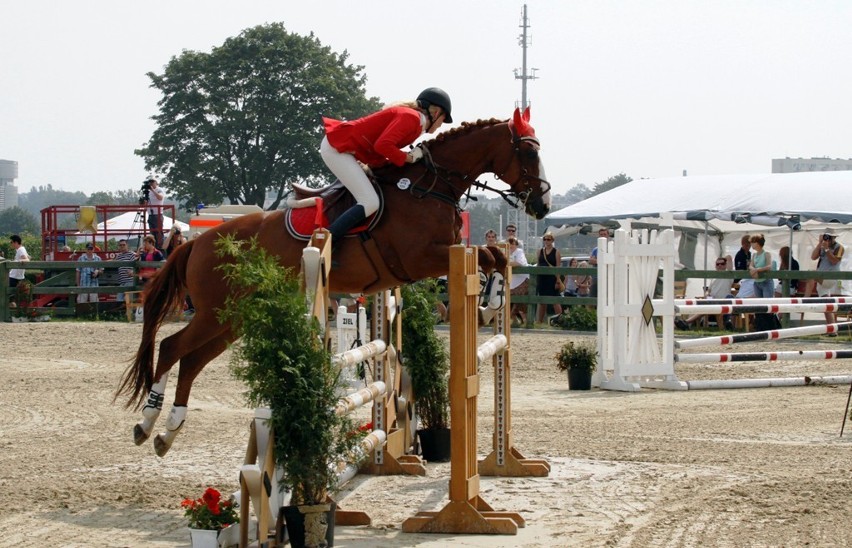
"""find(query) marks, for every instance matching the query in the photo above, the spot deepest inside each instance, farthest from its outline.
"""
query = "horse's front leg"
(151, 410)
(493, 264)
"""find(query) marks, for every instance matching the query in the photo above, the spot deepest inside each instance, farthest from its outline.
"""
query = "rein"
(444, 175)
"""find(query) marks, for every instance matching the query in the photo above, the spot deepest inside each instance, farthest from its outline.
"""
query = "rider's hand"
(413, 156)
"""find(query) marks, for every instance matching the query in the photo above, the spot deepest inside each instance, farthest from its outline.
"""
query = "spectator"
(828, 253)
(125, 273)
(490, 237)
(583, 282)
(570, 280)
(174, 239)
(87, 276)
(520, 282)
(156, 197)
(17, 274)
(441, 306)
(149, 253)
(512, 232)
(603, 232)
(548, 285)
(759, 269)
(743, 256)
(719, 288)
(784, 253)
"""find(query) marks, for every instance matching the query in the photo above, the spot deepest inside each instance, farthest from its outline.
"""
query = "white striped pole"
(371, 441)
(490, 347)
(758, 309)
(765, 335)
(359, 398)
(768, 301)
(359, 354)
(793, 355)
(767, 383)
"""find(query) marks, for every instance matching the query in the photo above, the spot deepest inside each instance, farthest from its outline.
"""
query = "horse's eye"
(529, 152)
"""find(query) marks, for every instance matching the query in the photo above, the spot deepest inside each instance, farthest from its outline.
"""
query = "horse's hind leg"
(190, 366)
(151, 410)
(170, 351)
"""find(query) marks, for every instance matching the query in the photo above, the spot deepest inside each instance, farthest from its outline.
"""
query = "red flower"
(211, 498)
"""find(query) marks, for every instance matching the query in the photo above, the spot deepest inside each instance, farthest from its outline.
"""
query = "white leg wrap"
(497, 297)
(486, 314)
(177, 416)
(152, 408)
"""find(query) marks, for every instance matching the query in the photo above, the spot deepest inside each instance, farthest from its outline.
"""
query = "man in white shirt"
(156, 196)
(17, 274)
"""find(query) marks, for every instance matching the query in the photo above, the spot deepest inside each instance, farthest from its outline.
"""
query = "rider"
(375, 140)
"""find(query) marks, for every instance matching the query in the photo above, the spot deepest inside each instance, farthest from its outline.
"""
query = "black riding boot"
(350, 218)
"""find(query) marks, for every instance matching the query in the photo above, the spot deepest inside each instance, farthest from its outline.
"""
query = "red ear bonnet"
(520, 124)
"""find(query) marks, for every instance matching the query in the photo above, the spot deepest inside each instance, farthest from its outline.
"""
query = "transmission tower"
(527, 227)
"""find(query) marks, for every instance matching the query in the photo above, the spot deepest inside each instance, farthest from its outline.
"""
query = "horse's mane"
(465, 128)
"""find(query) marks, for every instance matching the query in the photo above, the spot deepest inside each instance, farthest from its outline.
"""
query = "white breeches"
(346, 168)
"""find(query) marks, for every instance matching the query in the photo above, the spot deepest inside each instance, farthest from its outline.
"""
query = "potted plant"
(281, 358)
(426, 359)
(208, 516)
(580, 361)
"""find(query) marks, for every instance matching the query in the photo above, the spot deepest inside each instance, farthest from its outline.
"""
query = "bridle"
(445, 176)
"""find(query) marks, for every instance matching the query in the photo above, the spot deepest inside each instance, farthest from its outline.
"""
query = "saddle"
(302, 217)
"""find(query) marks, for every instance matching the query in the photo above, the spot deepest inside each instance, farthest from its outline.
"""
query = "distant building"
(795, 165)
(8, 191)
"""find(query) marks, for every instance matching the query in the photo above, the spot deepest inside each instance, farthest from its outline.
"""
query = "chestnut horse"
(420, 222)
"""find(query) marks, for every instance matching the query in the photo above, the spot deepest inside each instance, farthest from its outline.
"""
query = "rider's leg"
(346, 168)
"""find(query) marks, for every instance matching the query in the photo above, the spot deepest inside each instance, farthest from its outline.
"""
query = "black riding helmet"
(437, 97)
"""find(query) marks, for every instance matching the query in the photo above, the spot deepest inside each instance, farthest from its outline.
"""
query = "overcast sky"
(648, 88)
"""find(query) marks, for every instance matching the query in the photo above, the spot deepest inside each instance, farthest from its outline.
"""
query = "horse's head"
(525, 172)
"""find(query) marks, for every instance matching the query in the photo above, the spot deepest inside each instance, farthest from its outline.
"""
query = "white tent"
(133, 220)
(711, 213)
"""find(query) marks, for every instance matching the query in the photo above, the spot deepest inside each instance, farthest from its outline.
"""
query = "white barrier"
(631, 355)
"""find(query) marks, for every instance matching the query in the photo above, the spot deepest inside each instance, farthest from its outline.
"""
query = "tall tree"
(16, 220)
(611, 183)
(246, 117)
(41, 197)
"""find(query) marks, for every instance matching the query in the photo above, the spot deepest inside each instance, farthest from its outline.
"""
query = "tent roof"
(131, 219)
(820, 196)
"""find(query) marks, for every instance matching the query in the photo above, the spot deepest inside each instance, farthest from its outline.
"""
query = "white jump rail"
(631, 355)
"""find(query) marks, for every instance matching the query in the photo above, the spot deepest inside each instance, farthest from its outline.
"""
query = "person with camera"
(173, 240)
(87, 276)
(828, 253)
(153, 197)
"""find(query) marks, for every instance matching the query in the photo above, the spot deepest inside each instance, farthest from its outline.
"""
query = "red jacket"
(377, 138)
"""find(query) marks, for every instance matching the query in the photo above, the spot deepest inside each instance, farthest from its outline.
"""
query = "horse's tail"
(163, 293)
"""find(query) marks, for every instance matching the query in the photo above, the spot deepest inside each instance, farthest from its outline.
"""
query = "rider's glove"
(415, 155)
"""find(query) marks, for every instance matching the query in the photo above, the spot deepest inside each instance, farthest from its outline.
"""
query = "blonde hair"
(409, 104)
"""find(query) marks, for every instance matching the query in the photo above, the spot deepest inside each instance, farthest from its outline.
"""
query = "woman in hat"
(376, 140)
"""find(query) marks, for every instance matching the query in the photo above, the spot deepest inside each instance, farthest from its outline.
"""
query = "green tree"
(41, 197)
(575, 194)
(17, 220)
(484, 216)
(246, 117)
(609, 184)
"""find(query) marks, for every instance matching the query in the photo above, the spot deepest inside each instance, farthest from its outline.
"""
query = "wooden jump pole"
(466, 512)
(505, 460)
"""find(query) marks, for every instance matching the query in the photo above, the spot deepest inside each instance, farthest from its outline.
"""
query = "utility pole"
(527, 227)
(524, 75)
